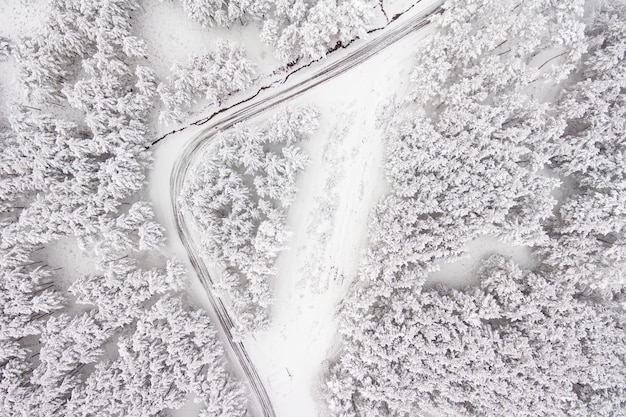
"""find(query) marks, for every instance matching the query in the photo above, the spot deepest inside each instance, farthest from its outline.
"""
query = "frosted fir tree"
(309, 30)
(523, 45)
(209, 78)
(330, 23)
(124, 289)
(297, 29)
(278, 179)
(208, 13)
(589, 232)
(521, 343)
(238, 199)
(29, 297)
(183, 359)
(133, 231)
(68, 344)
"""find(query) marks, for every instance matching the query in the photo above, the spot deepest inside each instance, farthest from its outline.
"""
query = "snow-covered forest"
(478, 147)
(238, 198)
(122, 340)
(298, 29)
(75, 143)
(512, 125)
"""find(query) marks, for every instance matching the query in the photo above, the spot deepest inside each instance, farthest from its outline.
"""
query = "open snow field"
(21, 17)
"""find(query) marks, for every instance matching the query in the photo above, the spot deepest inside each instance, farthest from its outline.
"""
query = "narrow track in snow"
(265, 99)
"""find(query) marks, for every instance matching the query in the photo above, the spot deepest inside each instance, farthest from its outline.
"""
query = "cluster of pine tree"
(238, 199)
(123, 341)
(297, 29)
(466, 156)
(212, 76)
(589, 231)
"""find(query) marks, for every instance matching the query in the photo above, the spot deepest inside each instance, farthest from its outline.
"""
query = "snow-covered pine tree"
(522, 344)
(238, 198)
(122, 292)
(170, 354)
(589, 234)
(297, 29)
(209, 78)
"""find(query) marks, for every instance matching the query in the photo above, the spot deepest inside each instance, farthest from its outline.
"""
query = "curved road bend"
(294, 87)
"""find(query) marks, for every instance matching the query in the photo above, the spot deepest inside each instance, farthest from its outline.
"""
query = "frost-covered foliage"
(210, 77)
(590, 232)
(78, 169)
(521, 344)
(238, 198)
(74, 31)
(297, 29)
(71, 162)
(172, 353)
(464, 158)
(464, 151)
(302, 29)
(481, 176)
(491, 47)
(5, 48)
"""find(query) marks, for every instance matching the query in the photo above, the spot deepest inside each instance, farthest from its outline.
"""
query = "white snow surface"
(18, 18)
(462, 271)
(172, 37)
(21, 17)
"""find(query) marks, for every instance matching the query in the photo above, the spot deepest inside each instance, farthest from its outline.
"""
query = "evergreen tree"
(238, 199)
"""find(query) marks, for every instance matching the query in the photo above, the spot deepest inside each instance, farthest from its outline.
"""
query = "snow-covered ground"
(172, 37)
(21, 17)
(17, 18)
(459, 272)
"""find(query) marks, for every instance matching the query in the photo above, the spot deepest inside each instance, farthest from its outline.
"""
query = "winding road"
(278, 92)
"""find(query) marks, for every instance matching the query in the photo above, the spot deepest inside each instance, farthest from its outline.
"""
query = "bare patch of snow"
(65, 256)
(172, 37)
(22, 17)
(9, 91)
(460, 272)
(190, 409)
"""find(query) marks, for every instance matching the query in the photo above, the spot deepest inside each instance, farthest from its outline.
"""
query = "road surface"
(266, 99)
